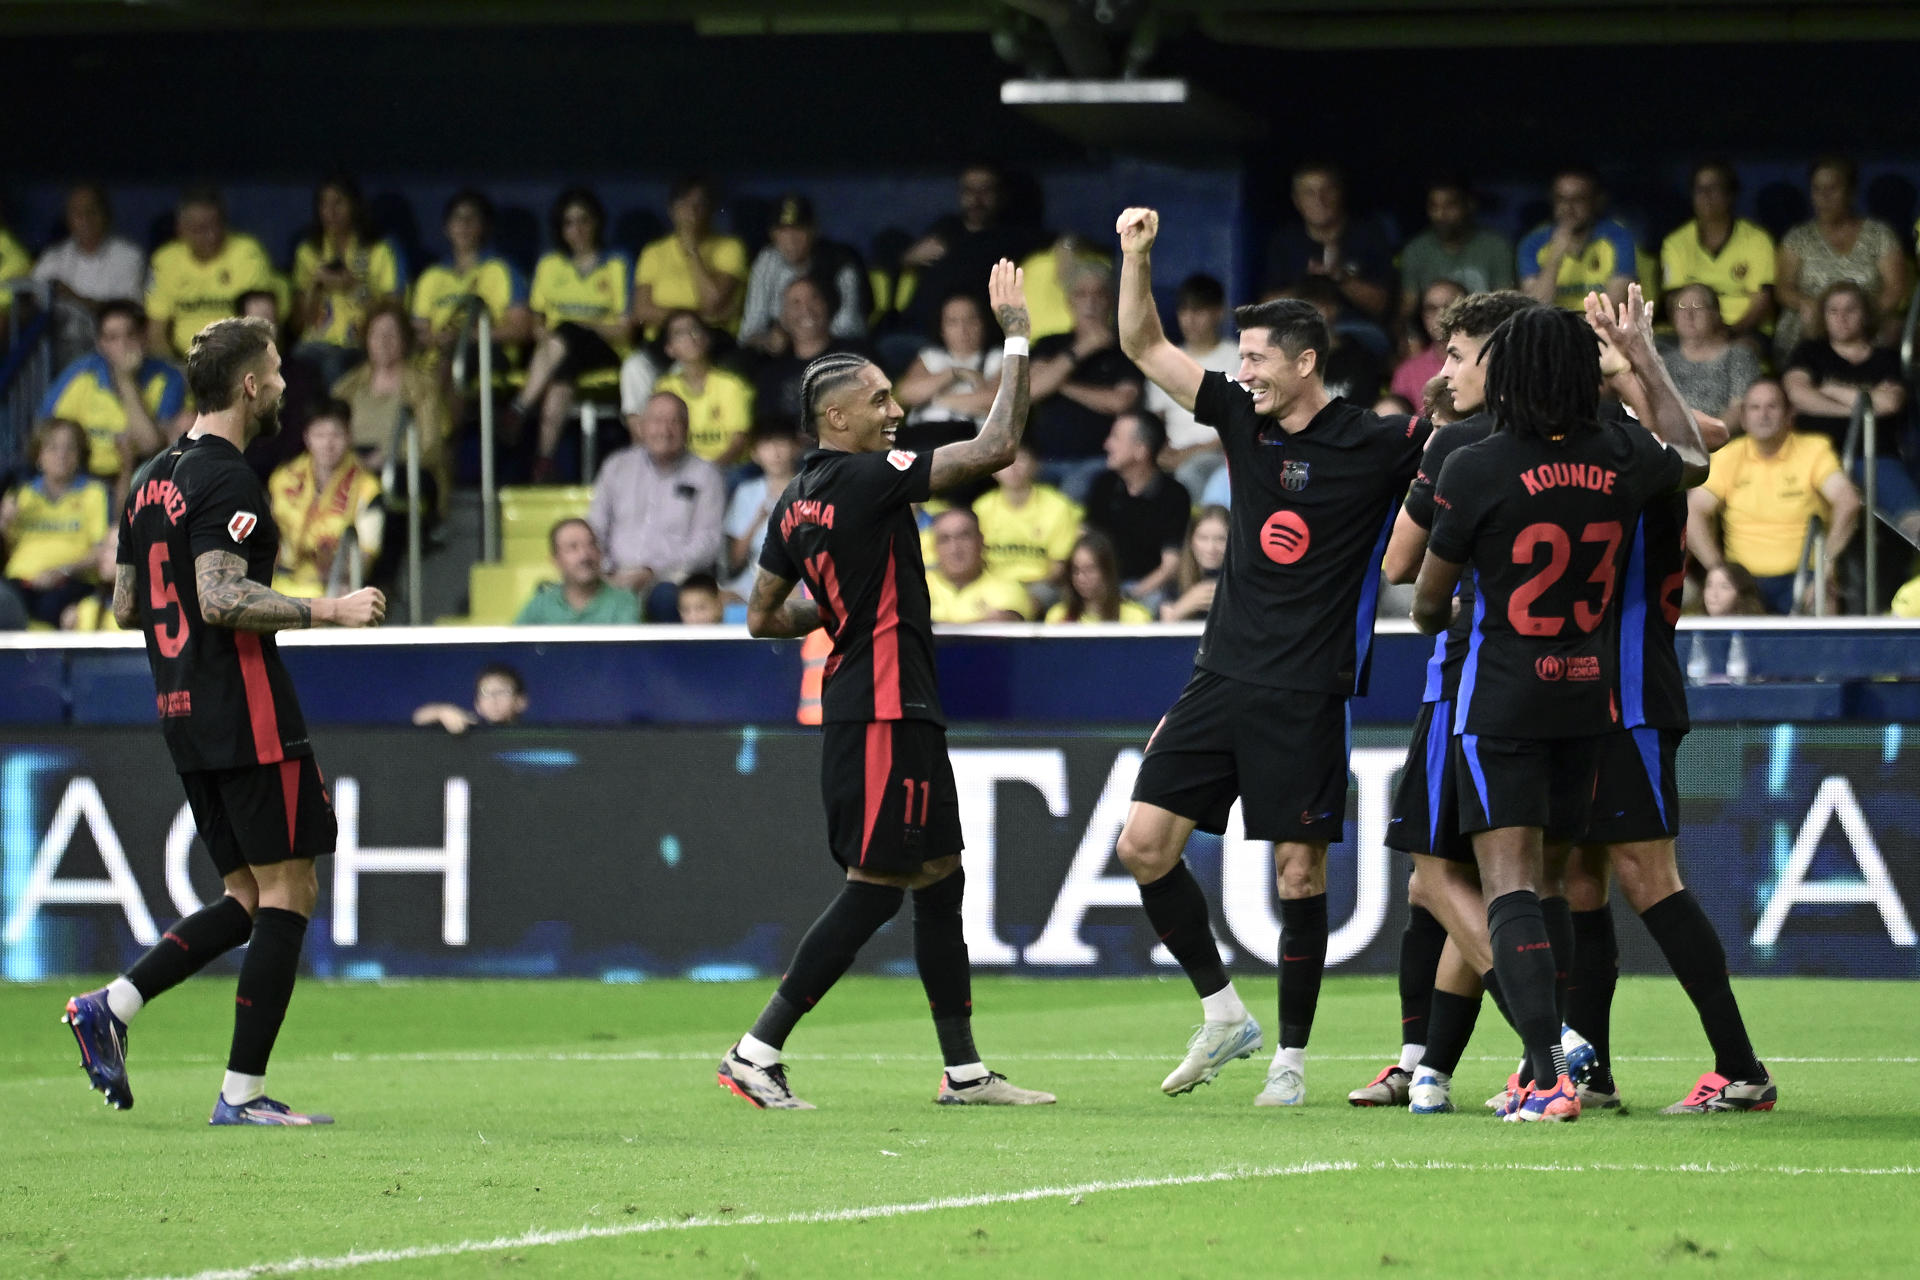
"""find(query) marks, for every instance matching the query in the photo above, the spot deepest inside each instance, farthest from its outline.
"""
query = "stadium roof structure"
(1291, 24)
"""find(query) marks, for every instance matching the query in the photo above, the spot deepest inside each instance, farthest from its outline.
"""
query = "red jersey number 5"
(165, 599)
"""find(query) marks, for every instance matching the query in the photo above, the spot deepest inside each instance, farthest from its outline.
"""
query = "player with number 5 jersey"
(196, 552)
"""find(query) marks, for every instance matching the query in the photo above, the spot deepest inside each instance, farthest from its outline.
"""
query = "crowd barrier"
(1862, 669)
(632, 853)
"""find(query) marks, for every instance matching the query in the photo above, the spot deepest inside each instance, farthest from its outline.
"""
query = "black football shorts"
(262, 813)
(1426, 804)
(1280, 752)
(891, 800)
(1526, 782)
(1638, 795)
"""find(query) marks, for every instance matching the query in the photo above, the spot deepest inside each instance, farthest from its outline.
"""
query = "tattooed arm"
(772, 615)
(999, 437)
(228, 598)
(126, 608)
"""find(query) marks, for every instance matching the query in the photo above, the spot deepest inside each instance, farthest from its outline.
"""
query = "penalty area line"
(576, 1235)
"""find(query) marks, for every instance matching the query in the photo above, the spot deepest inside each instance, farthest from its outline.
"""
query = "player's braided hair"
(1543, 373)
(835, 369)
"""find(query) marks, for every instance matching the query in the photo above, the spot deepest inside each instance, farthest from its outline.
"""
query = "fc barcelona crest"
(1293, 475)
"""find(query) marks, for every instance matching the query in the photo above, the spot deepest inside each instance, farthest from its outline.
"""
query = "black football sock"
(1303, 959)
(1449, 1030)
(1559, 917)
(1596, 972)
(1491, 982)
(1420, 948)
(1177, 910)
(940, 952)
(1523, 957)
(266, 985)
(825, 954)
(1687, 939)
(189, 946)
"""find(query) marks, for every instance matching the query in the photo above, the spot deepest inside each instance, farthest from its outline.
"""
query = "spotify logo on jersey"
(1284, 537)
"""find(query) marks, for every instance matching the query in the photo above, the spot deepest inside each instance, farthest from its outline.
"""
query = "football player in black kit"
(845, 527)
(197, 550)
(1316, 484)
(1636, 813)
(1542, 511)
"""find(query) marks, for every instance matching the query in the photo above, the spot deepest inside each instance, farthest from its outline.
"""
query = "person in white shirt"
(1193, 452)
(89, 267)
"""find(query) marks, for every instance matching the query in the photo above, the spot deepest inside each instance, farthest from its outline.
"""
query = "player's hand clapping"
(1628, 329)
(1137, 229)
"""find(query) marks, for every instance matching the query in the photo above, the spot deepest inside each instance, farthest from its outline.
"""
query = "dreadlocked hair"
(1543, 373)
(833, 370)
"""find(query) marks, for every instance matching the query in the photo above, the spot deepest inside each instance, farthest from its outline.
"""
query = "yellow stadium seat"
(528, 514)
(497, 592)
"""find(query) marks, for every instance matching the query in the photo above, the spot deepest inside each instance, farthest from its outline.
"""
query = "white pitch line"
(575, 1235)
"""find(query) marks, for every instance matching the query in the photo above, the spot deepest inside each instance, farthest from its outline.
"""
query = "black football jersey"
(1294, 605)
(224, 697)
(1544, 527)
(1450, 646)
(844, 526)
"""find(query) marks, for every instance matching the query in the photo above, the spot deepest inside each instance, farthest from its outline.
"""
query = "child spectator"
(719, 401)
(579, 303)
(1201, 561)
(1193, 452)
(499, 698)
(582, 596)
(1093, 586)
(53, 525)
(692, 268)
(776, 451)
(700, 603)
(316, 498)
(1730, 591)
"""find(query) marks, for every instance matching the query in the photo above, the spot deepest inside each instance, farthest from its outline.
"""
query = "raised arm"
(772, 615)
(1141, 337)
(229, 598)
(1630, 332)
(999, 438)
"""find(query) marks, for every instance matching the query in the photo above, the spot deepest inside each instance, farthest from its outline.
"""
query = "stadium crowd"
(691, 346)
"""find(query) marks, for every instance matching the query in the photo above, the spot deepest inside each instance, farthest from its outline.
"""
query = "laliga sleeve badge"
(241, 525)
(900, 459)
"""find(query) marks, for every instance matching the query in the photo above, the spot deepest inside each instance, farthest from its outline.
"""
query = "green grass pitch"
(574, 1129)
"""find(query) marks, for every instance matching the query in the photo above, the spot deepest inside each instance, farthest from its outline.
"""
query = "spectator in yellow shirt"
(1577, 251)
(1765, 487)
(341, 272)
(579, 302)
(960, 586)
(1093, 586)
(1029, 527)
(129, 402)
(1729, 255)
(719, 401)
(693, 268)
(316, 498)
(15, 264)
(53, 526)
(197, 277)
(470, 269)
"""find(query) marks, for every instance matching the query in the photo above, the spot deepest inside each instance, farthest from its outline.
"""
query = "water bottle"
(1737, 659)
(1699, 663)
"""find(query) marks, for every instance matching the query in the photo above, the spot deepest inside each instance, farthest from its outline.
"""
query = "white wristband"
(1015, 346)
